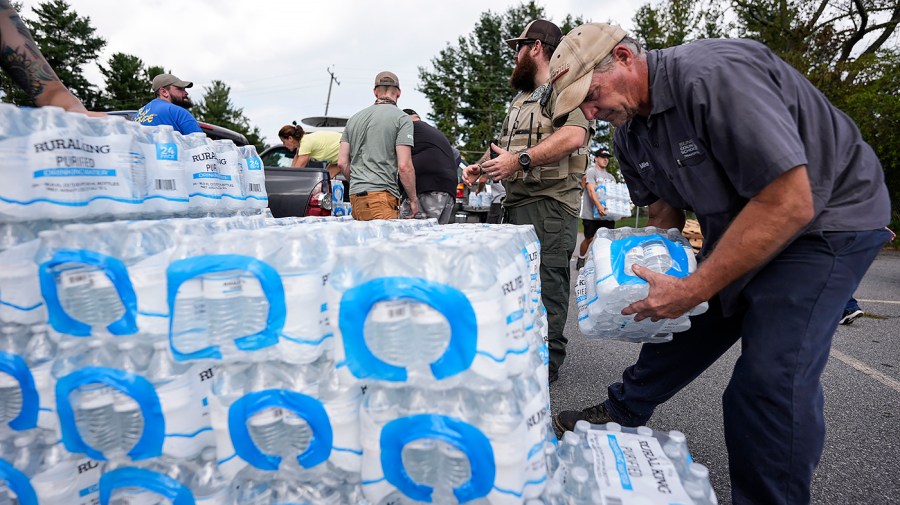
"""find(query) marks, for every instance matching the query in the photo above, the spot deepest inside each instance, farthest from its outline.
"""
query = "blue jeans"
(773, 405)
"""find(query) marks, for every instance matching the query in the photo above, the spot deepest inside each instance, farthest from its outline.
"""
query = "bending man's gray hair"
(607, 62)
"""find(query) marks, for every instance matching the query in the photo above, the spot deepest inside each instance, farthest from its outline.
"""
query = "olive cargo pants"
(558, 231)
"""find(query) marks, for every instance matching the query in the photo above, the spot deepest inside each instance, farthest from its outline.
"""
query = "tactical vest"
(529, 122)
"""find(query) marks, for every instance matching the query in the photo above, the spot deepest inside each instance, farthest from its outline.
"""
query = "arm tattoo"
(24, 63)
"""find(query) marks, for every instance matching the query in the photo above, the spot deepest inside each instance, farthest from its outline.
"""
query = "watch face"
(524, 159)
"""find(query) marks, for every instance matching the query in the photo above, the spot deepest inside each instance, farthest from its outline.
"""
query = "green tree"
(68, 43)
(468, 82)
(674, 22)
(216, 107)
(126, 85)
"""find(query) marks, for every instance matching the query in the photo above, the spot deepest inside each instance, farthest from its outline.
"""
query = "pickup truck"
(300, 191)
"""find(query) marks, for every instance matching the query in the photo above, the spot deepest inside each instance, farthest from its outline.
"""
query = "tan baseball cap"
(387, 79)
(163, 80)
(573, 63)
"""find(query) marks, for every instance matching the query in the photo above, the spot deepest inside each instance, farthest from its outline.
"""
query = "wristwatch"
(525, 161)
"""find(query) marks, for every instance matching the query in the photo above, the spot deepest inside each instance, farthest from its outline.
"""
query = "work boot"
(565, 420)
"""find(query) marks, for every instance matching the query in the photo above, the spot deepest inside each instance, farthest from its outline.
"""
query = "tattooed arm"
(21, 59)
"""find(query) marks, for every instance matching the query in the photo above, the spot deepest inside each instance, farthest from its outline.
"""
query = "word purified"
(75, 161)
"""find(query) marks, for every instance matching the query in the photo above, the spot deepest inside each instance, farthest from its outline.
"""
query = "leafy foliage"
(126, 84)
(468, 84)
(216, 107)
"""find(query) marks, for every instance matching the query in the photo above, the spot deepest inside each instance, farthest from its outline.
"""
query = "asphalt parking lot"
(862, 397)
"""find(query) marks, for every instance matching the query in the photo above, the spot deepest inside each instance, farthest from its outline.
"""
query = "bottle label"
(75, 278)
(85, 278)
(207, 181)
(390, 311)
(628, 465)
(73, 169)
(222, 287)
(165, 176)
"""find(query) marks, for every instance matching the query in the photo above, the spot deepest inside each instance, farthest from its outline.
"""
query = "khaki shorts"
(375, 205)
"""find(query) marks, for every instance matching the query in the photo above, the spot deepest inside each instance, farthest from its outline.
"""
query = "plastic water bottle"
(653, 255)
(128, 411)
(96, 418)
(455, 467)
(266, 430)
(387, 330)
(29, 449)
(10, 398)
(206, 483)
(577, 487)
(190, 328)
(76, 294)
(253, 487)
(431, 334)
(223, 292)
(253, 177)
(255, 303)
(568, 449)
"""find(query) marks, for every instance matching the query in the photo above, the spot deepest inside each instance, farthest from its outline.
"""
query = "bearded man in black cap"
(541, 166)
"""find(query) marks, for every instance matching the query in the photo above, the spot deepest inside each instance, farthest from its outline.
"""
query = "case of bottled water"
(275, 417)
(130, 401)
(20, 294)
(61, 165)
(166, 480)
(614, 196)
(606, 284)
(631, 465)
(253, 178)
(67, 166)
(35, 470)
(461, 411)
(26, 360)
(254, 295)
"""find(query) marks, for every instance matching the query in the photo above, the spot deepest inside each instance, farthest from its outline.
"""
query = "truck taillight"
(319, 202)
(460, 190)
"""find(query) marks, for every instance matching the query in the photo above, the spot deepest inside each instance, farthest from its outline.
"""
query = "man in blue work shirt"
(170, 105)
(792, 204)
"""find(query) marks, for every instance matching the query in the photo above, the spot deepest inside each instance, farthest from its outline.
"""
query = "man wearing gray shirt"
(792, 203)
(376, 150)
(593, 212)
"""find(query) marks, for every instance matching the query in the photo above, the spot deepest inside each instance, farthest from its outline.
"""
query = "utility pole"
(330, 81)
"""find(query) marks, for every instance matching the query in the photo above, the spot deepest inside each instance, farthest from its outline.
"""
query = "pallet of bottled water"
(607, 284)
(253, 360)
(66, 166)
(614, 465)
(615, 197)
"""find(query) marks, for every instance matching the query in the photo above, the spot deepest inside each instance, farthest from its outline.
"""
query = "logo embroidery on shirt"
(688, 148)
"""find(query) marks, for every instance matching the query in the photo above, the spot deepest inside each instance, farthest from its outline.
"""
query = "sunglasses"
(523, 43)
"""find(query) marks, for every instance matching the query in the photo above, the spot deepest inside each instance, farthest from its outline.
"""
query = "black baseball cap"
(540, 29)
(602, 152)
